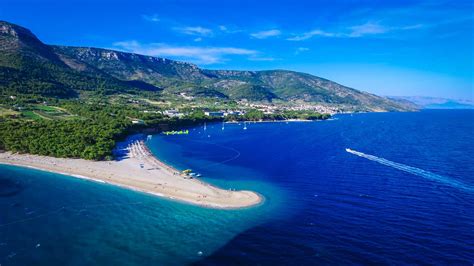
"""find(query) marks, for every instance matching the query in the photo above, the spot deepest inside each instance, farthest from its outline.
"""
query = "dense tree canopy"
(80, 139)
(92, 136)
(92, 128)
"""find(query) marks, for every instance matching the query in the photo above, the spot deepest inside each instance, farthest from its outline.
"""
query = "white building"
(173, 113)
(214, 114)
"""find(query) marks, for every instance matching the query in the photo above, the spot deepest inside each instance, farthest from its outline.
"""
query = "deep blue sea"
(405, 195)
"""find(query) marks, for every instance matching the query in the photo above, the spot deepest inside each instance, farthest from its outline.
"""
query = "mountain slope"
(293, 86)
(31, 67)
(176, 77)
(128, 66)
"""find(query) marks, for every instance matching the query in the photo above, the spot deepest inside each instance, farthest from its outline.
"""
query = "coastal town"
(268, 109)
(174, 108)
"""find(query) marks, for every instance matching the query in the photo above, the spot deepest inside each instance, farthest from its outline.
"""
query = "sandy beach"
(139, 170)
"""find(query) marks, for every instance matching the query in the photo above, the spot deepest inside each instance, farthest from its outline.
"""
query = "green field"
(38, 112)
(51, 112)
(4, 112)
(28, 114)
(46, 108)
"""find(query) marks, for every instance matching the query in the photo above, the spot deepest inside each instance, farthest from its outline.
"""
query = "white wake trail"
(415, 171)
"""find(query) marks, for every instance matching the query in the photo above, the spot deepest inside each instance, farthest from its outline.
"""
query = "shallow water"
(322, 205)
(49, 219)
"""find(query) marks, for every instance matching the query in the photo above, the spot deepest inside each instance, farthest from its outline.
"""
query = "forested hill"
(28, 66)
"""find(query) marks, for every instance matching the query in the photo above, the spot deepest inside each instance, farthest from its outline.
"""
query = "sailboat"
(222, 125)
(205, 126)
(245, 125)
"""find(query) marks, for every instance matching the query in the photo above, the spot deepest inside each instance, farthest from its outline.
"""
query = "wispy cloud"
(266, 34)
(151, 18)
(310, 34)
(258, 58)
(391, 22)
(199, 30)
(300, 50)
(196, 31)
(366, 29)
(198, 55)
(228, 29)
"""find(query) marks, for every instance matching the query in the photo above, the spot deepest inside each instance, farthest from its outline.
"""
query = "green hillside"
(28, 66)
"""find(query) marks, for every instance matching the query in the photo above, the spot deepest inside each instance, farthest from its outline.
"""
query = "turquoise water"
(403, 197)
(50, 219)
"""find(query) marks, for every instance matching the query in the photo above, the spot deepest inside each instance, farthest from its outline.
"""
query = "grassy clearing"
(156, 102)
(38, 112)
(43, 115)
(52, 112)
(4, 112)
(46, 108)
(29, 114)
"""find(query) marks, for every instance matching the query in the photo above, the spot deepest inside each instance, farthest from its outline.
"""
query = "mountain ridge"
(65, 71)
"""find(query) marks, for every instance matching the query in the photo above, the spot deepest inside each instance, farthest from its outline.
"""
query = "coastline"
(139, 170)
(274, 121)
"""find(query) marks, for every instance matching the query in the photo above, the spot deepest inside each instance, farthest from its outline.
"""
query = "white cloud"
(198, 31)
(265, 34)
(128, 45)
(198, 55)
(152, 18)
(310, 34)
(258, 58)
(366, 29)
(228, 29)
(413, 27)
(198, 39)
(300, 50)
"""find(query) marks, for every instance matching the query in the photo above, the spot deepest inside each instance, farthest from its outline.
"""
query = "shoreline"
(274, 121)
(138, 170)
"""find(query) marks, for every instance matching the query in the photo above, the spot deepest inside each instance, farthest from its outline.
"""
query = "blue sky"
(388, 48)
